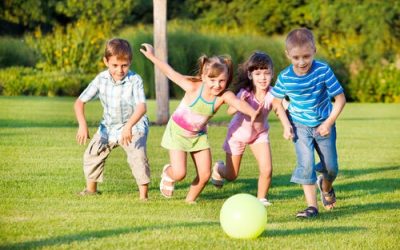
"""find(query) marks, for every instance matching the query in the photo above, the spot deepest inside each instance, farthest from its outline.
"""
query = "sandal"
(265, 202)
(307, 213)
(165, 178)
(216, 178)
(86, 192)
(328, 204)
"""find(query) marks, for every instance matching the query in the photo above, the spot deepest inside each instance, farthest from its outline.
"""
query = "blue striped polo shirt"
(310, 95)
(119, 99)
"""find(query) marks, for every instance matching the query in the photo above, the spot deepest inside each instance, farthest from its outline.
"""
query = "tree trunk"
(161, 51)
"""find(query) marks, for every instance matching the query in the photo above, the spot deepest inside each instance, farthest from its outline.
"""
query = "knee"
(177, 175)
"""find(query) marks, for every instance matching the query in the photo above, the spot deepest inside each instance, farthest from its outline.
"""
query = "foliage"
(15, 52)
(380, 84)
(183, 58)
(28, 81)
(78, 47)
(41, 172)
(97, 11)
(29, 13)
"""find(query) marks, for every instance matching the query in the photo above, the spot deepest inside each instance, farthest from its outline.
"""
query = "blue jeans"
(306, 140)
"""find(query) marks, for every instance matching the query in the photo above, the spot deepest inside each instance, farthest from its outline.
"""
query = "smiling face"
(216, 84)
(301, 57)
(118, 68)
(261, 78)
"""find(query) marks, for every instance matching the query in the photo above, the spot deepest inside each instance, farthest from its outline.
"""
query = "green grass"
(40, 173)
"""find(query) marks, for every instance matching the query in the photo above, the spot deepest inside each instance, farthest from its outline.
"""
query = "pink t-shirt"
(240, 126)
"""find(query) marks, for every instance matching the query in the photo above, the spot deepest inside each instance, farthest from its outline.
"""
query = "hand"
(324, 129)
(288, 133)
(126, 136)
(147, 49)
(257, 113)
(82, 135)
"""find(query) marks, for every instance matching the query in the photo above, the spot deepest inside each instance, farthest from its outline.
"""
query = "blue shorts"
(306, 140)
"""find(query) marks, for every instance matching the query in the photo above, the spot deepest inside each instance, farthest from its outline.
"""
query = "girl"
(186, 131)
(254, 80)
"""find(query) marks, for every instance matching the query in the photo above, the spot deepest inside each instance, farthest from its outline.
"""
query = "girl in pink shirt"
(255, 77)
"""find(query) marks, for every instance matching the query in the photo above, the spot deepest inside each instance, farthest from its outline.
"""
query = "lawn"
(40, 174)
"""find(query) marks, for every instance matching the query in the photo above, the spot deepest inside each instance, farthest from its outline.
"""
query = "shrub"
(380, 84)
(76, 48)
(15, 52)
(29, 81)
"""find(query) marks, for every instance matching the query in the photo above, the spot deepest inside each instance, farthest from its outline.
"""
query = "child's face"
(216, 84)
(301, 58)
(261, 78)
(118, 68)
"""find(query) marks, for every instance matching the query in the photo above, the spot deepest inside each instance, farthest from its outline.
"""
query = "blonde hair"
(119, 48)
(300, 37)
(214, 66)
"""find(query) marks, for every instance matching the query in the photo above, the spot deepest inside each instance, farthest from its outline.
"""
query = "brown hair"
(119, 48)
(300, 37)
(257, 60)
(214, 66)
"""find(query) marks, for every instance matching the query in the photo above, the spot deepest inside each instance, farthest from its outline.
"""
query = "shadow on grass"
(84, 236)
(56, 123)
(291, 190)
(364, 171)
(310, 230)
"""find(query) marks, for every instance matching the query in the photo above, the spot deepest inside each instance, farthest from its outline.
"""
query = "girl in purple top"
(255, 77)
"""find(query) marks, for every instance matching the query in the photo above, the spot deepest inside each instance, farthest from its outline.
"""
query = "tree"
(160, 46)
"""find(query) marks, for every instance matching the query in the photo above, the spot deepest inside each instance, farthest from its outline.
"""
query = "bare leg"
(177, 170)
(231, 170)
(91, 186)
(262, 153)
(310, 193)
(143, 192)
(202, 162)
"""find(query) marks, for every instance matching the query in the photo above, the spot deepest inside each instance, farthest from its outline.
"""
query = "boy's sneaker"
(216, 178)
(265, 202)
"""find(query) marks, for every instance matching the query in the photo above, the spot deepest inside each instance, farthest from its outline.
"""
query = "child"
(310, 84)
(186, 131)
(124, 121)
(255, 77)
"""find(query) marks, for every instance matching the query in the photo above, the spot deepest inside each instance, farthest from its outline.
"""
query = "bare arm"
(126, 135)
(83, 133)
(280, 112)
(240, 105)
(324, 128)
(182, 81)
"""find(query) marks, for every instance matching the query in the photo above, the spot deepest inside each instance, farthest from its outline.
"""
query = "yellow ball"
(243, 216)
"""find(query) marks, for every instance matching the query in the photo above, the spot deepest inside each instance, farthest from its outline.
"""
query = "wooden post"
(161, 51)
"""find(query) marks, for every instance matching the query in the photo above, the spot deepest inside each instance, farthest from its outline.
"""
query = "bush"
(15, 52)
(76, 48)
(380, 84)
(29, 81)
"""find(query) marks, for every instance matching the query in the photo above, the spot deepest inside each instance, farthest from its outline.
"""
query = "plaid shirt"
(119, 100)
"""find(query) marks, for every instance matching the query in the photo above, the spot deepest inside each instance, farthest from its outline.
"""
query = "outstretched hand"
(256, 114)
(147, 50)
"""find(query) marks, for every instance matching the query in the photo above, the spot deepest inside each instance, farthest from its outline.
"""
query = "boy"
(124, 121)
(310, 84)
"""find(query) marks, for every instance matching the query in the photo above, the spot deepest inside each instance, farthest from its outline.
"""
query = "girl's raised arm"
(182, 81)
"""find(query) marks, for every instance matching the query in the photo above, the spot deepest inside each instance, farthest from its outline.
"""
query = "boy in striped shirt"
(310, 85)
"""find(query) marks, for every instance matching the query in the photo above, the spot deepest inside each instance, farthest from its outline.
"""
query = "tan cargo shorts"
(98, 150)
